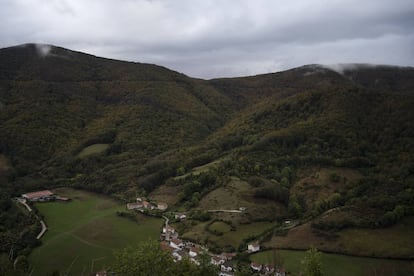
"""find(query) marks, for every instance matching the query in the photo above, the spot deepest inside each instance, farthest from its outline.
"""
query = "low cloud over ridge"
(219, 38)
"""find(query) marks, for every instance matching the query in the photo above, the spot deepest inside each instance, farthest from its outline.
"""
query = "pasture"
(93, 149)
(83, 233)
(337, 265)
(396, 241)
(223, 237)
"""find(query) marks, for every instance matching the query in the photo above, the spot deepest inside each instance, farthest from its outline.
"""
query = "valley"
(304, 157)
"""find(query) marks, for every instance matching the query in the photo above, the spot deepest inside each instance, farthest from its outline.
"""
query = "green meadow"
(337, 265)
(83, 233)
(93, 149)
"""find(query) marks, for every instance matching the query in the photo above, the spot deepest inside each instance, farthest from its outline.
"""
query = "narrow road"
(166, 221)
(23, 201)
(224, 211)
(44, 229)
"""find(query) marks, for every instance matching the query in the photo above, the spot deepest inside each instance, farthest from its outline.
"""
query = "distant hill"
(73, 119)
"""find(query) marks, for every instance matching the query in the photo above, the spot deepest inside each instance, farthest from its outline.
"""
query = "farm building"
(162, 206)
(180, 216)
(45, 195)
(256, 266)
(133, 206)
(253, 247)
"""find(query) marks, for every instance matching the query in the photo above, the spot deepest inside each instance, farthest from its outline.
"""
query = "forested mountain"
(121, 128)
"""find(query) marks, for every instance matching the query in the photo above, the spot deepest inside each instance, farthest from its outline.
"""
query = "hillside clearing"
(393, 242)
(93, 149)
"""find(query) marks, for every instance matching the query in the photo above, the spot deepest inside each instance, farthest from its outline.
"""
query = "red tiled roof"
(38, 194)
(165, 246)
(169, 228)
(177, 241)
(195, 249)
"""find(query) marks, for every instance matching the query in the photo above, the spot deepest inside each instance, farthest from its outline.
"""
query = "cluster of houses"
(181, 249)
(267, 269)
(142, 204)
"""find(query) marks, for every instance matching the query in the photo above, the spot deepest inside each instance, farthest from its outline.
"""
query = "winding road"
(224, 211)
(44, 228)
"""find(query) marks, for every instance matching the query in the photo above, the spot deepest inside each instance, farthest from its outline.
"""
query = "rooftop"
(38, 194)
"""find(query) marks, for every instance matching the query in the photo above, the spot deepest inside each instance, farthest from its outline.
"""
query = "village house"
(217, 260)
(180, 216)
(169, 233)
(227, 267)
(227, 256)
(134, 206)
(45, 195)
(194, 251)
(255, 266)
(101, 273)
(253, 247)
(168, 229)
(147, 205)
(225, 274)
(268, 269)
(176, 243)
(162, 206)
(178, 255)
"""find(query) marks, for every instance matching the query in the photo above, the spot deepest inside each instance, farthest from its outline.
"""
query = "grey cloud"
(215, 38)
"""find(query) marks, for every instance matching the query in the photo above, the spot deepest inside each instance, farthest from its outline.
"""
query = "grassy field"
(396, 241)
(219, 227)
(93, 149)
(227, 238)
(82, 234)
(338, 265)
(238, 193)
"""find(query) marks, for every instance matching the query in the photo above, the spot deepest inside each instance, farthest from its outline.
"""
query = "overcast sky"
(218, 38)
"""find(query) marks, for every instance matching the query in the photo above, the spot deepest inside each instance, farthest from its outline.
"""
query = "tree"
(206, 268)
(312, 263)
(148, 259)
(145, 259)
(294, 208)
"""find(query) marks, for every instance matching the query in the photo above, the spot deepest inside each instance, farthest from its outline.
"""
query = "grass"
(93, 149)
(238, 193)
(338, 265)
(82, 234)
(219, 227)
(229, 238)
(4, 163)
(315, 184)
(396, 241)
(203, 168)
